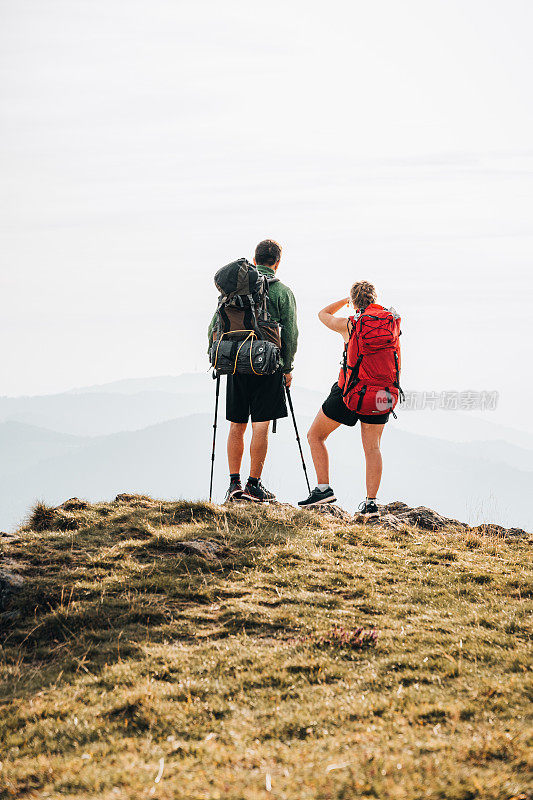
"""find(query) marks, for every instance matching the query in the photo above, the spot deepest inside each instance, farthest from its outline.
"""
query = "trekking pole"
(214, 439)
(289, 398)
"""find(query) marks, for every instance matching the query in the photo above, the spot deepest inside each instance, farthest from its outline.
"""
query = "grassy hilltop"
(190, 652)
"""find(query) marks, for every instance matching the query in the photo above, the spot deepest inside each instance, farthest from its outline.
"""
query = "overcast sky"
(145, 143)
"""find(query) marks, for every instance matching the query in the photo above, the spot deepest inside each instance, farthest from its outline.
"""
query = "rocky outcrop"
(74, 504)
(397, 516)
(333, 510)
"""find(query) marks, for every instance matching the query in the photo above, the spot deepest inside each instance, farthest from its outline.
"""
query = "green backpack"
(245, 338)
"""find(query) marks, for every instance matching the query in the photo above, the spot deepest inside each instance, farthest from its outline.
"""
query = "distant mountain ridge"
(100, 409)
(172, 459)
(92, 444)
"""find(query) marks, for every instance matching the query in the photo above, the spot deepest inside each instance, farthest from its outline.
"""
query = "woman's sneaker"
(368, 509)
(258, 494)
(234, 492)
(318, 498)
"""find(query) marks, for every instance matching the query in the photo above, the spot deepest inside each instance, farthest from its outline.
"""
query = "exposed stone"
(389, 522)
(10, 584)
(424, 518)
(397, 516)
(516, 533)
(206, 548)
(331, 510)
(395, 507)
(74, 504)
(490, 528)
(141, 500)
(497, 530)
(274, 504)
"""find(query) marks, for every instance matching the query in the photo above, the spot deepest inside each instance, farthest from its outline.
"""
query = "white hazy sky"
(145, 143)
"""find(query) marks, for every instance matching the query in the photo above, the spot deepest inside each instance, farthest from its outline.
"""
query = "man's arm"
(337, 324)
(289, 329)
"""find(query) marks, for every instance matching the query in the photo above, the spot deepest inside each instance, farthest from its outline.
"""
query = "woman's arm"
(337, 324)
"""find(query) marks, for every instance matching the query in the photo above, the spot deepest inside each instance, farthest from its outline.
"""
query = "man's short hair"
(267, 253)
(363, 294)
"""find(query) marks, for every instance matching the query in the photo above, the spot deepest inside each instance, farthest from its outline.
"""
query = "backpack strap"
(390, 401)
(354, 376)
(267, 282)
(349, 328)
(362, 392)
(253, 316)
(401, 394)
(354, 370)
(221, 310)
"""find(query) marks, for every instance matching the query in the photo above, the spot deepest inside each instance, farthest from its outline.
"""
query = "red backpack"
(370, 374)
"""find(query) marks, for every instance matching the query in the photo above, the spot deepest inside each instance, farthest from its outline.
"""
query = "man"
(260, 397)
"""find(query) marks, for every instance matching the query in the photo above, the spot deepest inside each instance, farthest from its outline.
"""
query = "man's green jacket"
(282, 309)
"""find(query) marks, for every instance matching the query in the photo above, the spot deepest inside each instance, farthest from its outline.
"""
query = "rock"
(74, 504)
(497, 530)
(424, 518)
(10, 584)
(516, 533)
(385, 522)
(397, 515)
(332, 510)
(420, 517)
(395, 507)
(206, 548)
(491, 528)
(141, 500)
(388, 522)
(273, 504)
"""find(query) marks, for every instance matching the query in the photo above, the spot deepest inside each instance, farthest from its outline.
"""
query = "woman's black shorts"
(335, 409)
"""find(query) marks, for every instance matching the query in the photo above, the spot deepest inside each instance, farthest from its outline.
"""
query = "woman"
(367, 389)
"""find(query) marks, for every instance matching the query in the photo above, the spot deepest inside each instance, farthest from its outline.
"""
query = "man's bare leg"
(317, 435)
(258, 448)
(236, 446)
(371, 438)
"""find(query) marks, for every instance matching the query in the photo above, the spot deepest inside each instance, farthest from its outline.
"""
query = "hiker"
(259, 397)
(366, 391)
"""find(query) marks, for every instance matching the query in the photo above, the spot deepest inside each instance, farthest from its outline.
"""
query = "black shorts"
(261, 397)
(334, 408)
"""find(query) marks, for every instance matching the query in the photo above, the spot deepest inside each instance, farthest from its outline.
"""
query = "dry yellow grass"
(132, 667)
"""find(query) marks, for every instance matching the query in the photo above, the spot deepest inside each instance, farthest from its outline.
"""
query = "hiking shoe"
(258, 494)
(318, 498)
(368, 509)
(234, 492)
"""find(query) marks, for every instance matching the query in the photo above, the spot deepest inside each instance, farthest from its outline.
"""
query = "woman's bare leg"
(371, 438)
(317, 435)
